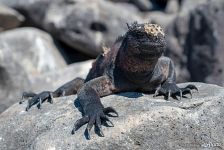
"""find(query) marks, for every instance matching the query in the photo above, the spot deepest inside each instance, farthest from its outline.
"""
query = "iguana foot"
(37, 98)
(170, 89)
(27, 95)
(96, 115)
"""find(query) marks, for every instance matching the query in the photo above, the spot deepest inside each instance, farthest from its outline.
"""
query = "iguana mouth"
(152, 48)
(147, 52)
(151, 57)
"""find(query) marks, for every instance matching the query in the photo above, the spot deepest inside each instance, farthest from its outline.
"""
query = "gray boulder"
(50, 81)
(188, 5)
(143, 5)
(13, 81)
(84, 25)
(33, 49)
(87, 25)
(143, 123)
(9, 18)
(204, 43)
(172, 6)
(195, 41)
(24, 53)
(22, 3)
(161, 18)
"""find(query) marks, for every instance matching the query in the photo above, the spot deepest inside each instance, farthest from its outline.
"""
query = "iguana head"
(146, 41)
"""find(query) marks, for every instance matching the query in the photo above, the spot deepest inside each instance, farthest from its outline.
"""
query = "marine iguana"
(133, 63)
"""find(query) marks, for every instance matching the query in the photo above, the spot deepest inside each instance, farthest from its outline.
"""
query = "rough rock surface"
(13, 81)
(81, 24)
(207, 51)
(9, 18)
(195, 41)
(172, 6)
(19, 3)
(85, 25)
(52, 80)
(143, 5)
(24, 52)
(144, 123)
(160, 18)
(188, 5)
(32, 48)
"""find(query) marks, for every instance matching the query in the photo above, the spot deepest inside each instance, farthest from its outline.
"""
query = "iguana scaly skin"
(133, 63)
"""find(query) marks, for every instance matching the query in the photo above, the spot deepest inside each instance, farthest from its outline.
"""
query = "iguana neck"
(134, 64)
(135, 69)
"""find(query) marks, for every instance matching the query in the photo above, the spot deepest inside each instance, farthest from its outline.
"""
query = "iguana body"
(133, 63)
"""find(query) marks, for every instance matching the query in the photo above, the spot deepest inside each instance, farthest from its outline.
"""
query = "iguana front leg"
(169, 87)
(67, 89)
(93, 110)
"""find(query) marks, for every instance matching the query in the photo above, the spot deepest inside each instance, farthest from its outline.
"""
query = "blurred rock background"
(45, 43)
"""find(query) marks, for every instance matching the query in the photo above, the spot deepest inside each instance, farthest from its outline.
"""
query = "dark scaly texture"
(133, 63)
